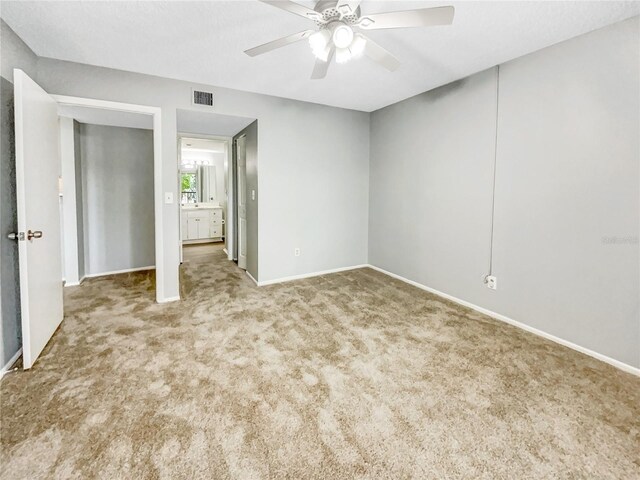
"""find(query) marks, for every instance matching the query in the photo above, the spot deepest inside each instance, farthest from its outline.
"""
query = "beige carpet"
(351, 375)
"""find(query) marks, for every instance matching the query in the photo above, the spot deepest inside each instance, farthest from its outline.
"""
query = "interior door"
(242, 201)
(37, 167)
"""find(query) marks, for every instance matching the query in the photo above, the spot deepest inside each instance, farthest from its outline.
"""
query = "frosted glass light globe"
(343, 55)
(342, 36)
(319, 40)
(358, 45)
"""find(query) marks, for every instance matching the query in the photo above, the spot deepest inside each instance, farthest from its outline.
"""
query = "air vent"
(202, 98)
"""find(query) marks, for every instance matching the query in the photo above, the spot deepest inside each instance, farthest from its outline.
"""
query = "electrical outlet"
(491, 282)
(296, 252)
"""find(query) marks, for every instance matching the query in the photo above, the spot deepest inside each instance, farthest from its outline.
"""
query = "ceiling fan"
(340, 23)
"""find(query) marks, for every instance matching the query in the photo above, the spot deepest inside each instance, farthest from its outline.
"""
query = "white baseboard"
(251, 277)
(611, 361)
(169, 299)
(5, 368)
(74, 284)
(117, 272)
(308, 275)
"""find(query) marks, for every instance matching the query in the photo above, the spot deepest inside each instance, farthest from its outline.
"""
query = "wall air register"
(198, 97)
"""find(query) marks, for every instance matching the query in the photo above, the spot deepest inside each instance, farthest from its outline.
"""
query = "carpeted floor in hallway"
(344, 376)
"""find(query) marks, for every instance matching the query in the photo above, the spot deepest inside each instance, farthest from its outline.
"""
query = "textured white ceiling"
(204, 42)
(210, 123)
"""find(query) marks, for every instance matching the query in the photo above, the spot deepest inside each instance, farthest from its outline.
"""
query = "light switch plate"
(168, 197)
(253, 194)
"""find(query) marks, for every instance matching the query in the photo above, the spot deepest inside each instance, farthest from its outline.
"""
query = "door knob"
(36, 234)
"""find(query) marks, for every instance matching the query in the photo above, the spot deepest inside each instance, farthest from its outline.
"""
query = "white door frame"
(158, 197)
(228, 226)
(242, 260)
(70, 271)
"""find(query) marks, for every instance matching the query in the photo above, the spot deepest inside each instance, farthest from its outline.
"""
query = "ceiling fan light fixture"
(340, 24)
(342, 36)
(358, 45)
(323, 54)
(343, 55)
(319, 40)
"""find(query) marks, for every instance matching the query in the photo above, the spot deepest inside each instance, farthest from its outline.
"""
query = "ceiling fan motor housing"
(329, 12)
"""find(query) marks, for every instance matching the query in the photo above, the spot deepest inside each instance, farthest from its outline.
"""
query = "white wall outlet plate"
(296, 252)
(491, 281)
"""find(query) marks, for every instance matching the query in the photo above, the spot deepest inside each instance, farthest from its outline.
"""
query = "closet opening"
(107, 193)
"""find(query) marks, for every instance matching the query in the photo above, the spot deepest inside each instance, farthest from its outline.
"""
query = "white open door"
(242, 201)
(37, 159)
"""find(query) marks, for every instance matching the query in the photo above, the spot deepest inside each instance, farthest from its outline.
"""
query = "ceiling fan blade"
(379, 55)
(294, 8)
(424, 17)
(320, 68)
(348, 7)
(281, 42)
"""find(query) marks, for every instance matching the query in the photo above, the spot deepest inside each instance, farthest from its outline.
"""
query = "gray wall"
(13, 54)
(117, 192)
(79, 197)
(252, 205)
(9, 268)
(567, 190)
(323, 212)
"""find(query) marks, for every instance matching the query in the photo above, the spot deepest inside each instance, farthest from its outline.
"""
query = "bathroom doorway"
(203, 188)
(201, 137)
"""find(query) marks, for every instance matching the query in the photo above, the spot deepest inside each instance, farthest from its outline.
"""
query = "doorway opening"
(203, 161)
(107, 195)
(217, 181)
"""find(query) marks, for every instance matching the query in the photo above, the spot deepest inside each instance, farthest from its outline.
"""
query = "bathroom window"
(188, 187)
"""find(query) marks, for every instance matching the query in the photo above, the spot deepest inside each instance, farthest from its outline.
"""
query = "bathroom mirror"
(198, 185)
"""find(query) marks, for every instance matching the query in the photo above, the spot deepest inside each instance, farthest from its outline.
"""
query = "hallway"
(197, 250)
